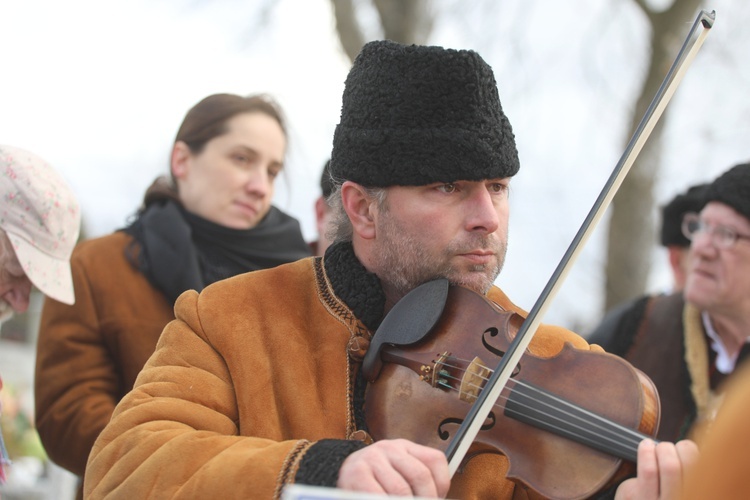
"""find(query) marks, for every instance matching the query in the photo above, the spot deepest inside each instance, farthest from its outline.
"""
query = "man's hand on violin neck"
(396, 467)
(662, 468)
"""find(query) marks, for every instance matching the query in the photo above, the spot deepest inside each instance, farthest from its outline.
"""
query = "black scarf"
(181, 251)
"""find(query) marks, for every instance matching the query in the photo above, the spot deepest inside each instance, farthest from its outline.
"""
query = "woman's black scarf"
(180, 251)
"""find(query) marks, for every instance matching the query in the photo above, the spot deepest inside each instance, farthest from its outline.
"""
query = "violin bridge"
(473, 380)
(436, 374)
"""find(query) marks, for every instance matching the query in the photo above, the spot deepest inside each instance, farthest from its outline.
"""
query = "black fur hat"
(413, 115)
(672, 213)
(732, 188)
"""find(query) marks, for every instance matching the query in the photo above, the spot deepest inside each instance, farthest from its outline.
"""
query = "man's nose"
(702, 245)
(483, 214)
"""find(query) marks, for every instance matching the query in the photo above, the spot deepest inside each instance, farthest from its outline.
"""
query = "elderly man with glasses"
(689, 342)
(677, 246)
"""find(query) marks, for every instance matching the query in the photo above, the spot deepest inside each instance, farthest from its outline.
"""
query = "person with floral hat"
(40, 220)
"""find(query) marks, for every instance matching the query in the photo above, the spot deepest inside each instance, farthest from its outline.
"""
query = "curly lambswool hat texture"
(671, 214)
(732, 188)
(413, 115)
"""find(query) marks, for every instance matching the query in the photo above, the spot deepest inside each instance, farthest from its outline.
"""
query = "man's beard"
(403, 263)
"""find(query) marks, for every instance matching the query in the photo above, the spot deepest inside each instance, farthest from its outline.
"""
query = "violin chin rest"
(410, 320)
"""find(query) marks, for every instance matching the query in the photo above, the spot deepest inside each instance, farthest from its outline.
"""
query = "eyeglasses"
(721, 236)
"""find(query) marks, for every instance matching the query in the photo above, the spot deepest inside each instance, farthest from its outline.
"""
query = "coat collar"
(354, 285)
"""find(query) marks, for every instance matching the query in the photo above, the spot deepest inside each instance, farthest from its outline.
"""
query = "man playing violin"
(257, 383)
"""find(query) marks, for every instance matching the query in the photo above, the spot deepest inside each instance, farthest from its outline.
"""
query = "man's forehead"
(725, 213)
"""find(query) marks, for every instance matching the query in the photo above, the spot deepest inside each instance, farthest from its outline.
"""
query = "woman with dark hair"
(211, 220)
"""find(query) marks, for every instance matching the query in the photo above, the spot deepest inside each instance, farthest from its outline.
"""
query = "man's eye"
(498, 187)
(448, 188)
(725, 233)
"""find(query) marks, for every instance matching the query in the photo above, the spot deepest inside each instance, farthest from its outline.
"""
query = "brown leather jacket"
(250, 379)
(89, 354)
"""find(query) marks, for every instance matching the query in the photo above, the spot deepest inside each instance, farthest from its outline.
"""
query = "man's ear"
(359, 208)
(180, 159)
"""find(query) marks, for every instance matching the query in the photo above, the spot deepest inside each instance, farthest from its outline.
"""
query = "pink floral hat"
(42, 219)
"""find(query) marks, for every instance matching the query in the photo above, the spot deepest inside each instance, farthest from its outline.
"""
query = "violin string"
(614, 439)
(630, 436)
(614, 434)
(610, 442)
(637, 437)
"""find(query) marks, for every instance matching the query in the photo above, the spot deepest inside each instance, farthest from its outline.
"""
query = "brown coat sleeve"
(76, 385)
(723, 468)
(151, 448)
(89, 354)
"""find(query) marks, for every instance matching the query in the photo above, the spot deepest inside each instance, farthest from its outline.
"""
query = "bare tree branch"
(405, 21)
(631, 231)
(350, 34)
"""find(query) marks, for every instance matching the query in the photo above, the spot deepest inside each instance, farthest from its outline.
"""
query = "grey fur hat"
(413, 115)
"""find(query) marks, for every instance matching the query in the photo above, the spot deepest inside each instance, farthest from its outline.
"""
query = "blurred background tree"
(632, 227)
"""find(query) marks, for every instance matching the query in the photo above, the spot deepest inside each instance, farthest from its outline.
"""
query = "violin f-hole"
(445, 435)
(494, 332)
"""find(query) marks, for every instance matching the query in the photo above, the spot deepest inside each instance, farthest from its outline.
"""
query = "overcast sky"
(99, 88)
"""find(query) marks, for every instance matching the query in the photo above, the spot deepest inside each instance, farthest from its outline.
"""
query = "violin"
(566, 424)
(579, 414)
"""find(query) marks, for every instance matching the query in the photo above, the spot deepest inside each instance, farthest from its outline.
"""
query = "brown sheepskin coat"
(251, 375)
(89, 354)
(722, 469)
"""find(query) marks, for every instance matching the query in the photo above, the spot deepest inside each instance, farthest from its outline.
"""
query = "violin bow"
(481, 408)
